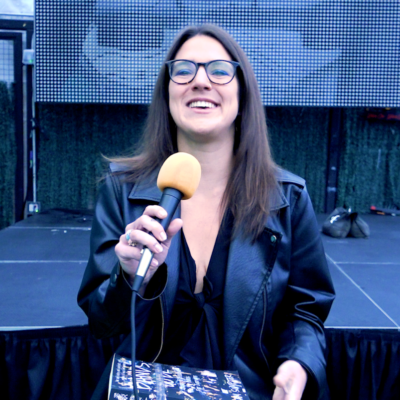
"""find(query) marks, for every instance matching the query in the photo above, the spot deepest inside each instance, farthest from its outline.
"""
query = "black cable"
(133, 344)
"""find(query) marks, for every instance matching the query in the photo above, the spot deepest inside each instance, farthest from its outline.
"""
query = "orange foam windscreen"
(180, 171)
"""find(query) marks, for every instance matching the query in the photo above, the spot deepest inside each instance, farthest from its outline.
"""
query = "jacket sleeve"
(308, 297)
(105, 294)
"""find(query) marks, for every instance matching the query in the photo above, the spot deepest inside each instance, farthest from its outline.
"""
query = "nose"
(201, 79)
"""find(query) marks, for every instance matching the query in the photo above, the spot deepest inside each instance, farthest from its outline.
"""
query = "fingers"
(279, 394)
(155, 211)
(130, 254)
(137, 235)
(141, 239)
(174, 227)
(146, 223)
(290, 381)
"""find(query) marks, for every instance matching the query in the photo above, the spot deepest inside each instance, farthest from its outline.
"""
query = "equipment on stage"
(383, 114)
(385, 211)
(343, 222)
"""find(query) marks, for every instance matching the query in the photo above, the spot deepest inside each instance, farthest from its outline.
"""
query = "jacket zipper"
(262, 328)
(162, 331)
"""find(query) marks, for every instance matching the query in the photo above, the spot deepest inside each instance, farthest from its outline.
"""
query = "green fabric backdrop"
(370, 162)
(73, 137)
(8, 157)
(299, 141)
(72, 140)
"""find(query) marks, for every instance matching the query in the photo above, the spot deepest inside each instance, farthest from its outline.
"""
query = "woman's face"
(203, 110)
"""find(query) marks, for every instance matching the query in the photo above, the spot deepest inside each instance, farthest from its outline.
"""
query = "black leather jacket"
(278, 290)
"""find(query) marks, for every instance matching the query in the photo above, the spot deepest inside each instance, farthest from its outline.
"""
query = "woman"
(239, 281)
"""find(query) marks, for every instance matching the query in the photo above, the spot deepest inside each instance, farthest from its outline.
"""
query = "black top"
(194, 335)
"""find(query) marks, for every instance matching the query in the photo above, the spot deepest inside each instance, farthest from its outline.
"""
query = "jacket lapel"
(249, 268)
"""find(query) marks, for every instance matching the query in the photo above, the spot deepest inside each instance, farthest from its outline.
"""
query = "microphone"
(178, 179)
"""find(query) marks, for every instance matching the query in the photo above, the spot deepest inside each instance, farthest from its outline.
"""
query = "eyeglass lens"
(217, 71)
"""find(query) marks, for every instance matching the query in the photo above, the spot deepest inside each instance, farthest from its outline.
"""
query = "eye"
(219, 72)
(183, 69)
(220, 69)
(182, 72)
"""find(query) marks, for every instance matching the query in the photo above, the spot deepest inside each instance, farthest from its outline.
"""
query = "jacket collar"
(146, 190)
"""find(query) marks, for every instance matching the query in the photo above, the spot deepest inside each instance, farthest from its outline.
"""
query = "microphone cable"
(133, 344)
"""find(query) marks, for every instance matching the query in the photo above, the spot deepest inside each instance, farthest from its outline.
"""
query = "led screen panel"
(303, 52)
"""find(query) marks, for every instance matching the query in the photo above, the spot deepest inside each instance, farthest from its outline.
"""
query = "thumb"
(291, 378)
(174, 227)
(283, 380)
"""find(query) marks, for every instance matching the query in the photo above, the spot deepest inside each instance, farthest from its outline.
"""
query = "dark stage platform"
(42, 260)
(366, 275)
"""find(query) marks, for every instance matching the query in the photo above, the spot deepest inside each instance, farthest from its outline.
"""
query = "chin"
(206, 132)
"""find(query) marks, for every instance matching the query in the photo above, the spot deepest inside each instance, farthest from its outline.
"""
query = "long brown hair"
(252, 180)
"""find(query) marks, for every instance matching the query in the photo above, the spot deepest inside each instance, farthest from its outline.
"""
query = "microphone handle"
(169, 201)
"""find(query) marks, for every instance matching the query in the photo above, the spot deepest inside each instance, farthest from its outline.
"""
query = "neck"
(216, 160)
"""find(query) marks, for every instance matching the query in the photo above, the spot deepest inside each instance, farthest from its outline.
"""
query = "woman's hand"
(290, 381)
(129, 255)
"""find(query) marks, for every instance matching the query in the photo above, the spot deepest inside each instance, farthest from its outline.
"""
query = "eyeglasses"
(220, 72)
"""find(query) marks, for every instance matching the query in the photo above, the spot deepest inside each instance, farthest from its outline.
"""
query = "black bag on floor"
(342, 223)
(338, 223)
(359, 228)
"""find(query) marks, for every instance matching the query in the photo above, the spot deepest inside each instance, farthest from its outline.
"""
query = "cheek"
(235, 103)
(236, 98)
(174, 99)
(172, 102)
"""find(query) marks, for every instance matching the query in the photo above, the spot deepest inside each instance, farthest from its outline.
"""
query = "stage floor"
(42, 260)
(366, 276)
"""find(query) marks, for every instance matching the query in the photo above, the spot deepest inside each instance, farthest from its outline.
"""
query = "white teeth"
(203, 104)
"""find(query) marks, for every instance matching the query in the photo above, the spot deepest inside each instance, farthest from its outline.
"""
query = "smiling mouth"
(202, 104)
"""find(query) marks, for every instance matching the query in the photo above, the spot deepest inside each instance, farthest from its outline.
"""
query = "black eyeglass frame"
(205, 65)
